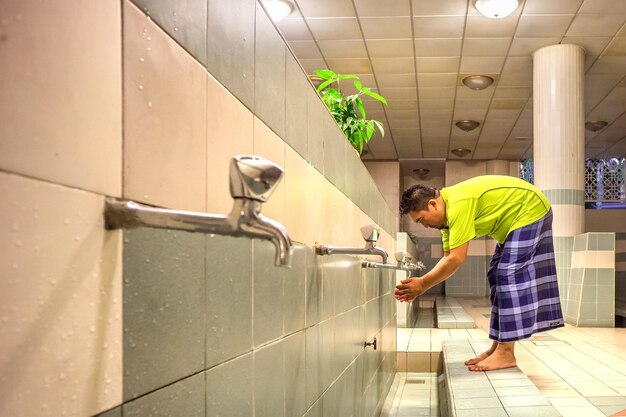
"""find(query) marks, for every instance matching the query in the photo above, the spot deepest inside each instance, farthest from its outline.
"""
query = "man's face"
(434, 216)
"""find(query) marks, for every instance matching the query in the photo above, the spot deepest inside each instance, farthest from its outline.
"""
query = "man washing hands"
(522, 273)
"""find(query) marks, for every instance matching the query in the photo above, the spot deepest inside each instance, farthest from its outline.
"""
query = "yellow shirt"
(491, 205)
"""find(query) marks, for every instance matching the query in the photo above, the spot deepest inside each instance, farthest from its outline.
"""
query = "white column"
(559, 150)
(559, 139)
(497, 167)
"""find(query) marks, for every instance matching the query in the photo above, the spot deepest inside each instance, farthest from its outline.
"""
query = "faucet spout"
(370, 233)
(252, 223)
(252, 181)
(375, 250)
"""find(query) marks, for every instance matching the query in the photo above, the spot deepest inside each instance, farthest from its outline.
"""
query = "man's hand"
(410, 288)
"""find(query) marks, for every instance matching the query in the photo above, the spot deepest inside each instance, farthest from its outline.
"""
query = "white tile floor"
(581, 371)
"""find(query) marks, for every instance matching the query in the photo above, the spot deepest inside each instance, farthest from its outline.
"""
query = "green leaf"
(346, 76)
(324, 85)
(374, 95)
(379, 125)
(325, 74)
(359, 105)
(358, 85)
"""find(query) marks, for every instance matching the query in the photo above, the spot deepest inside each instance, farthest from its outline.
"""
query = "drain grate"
(415, 381)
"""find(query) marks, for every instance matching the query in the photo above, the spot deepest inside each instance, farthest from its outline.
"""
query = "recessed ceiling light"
(595, 125)
(421, 172)
(467, 125)
(278, 9)
(461, 152)
(477, 82)
(496, 9)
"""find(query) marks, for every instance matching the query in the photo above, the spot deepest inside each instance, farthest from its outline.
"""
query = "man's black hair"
(416, 198)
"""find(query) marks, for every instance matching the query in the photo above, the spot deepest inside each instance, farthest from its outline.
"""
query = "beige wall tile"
(335, 232)
(61, 302)
(229, 133)
(269, 145)
(164, 118)
(297, 187)
(60, 92)
(477, 248)
(316, 199)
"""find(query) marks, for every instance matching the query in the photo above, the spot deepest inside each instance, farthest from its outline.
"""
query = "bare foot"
(478, 358)
(497, 360)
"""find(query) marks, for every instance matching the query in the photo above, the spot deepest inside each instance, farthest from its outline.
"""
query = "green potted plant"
(348, 111)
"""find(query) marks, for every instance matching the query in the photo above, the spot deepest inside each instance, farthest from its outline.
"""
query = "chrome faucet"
(252, 181)
(370, 232)
(405, 263)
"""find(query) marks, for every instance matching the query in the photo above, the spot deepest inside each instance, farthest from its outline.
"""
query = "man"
(522, 273)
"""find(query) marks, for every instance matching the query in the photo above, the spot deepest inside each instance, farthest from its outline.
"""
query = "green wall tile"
(229, 388)
(116, 412)
(295, 375)
(606, 241)
(347, 284)
(294, 290)
(185, 21)
(269, 74)
(185, 398)
(229, 298)
(268, 297)
(314, 364)
(313, 288)
(296, 125)
(606, 276)
(164, 296)
(316, 113)
(230, 48)
(580, 242)
(269, 381)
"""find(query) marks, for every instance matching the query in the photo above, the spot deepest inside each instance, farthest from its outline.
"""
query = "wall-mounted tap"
(370, 233)
(405, 263)
(252, 181)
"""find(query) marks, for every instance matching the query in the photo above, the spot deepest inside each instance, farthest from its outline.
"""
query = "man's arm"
(451, 261)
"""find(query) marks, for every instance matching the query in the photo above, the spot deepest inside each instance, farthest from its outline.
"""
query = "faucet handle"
(402, 257)
(370, 232)
(253, 177)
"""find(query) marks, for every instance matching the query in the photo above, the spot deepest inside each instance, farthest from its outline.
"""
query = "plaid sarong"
(524, 289)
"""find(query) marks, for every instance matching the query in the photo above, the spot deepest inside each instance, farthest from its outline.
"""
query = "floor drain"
(415, 381)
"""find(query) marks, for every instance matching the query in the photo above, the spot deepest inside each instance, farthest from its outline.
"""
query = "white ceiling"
(415, 52)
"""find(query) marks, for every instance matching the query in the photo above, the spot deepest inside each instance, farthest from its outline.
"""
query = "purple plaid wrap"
(524, 288)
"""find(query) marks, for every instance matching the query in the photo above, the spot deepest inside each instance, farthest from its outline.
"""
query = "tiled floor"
(416, 395)
(582, 371)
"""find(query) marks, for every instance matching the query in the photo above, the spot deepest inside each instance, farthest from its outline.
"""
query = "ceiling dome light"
(461, 152)
(477, 82)
(496, 9)
(467, 125)
(278, 9)
(421, 172)
(595, 125)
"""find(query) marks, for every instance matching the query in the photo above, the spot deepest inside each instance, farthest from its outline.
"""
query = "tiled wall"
(620, 267)
(171, 323)
(590, 293)
(470, 280)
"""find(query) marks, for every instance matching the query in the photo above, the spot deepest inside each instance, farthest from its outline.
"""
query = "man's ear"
(432, 202)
